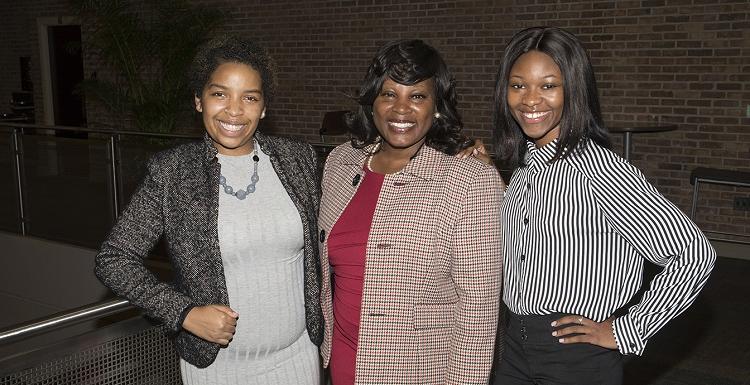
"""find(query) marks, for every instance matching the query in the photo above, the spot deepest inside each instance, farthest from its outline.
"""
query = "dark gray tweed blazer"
(179, 200)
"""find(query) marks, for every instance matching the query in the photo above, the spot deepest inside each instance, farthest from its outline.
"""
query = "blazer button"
(356, 179)
(322, 236)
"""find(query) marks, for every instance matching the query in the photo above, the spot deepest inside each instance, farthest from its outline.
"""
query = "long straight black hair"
(581, 118)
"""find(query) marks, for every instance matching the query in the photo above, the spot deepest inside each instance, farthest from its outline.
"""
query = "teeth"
(401, 125)
(231, 127)
(534, 115)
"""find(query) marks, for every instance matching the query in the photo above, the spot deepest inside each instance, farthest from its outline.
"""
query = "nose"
(531, 98)
(234, 107)
(401, 106)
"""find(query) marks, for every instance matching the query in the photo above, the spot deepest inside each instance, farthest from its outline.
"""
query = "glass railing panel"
(68, 193)
(9, 214)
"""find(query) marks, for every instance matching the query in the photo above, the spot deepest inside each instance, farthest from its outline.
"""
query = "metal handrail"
(63, 319)
(97, 131)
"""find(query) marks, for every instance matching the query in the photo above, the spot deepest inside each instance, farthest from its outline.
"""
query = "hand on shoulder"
(478, 150)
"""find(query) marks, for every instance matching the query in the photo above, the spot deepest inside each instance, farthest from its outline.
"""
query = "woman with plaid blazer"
(409, 234)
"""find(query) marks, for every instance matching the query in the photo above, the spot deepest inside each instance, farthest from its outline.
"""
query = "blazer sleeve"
(477, 270)
(120, 261)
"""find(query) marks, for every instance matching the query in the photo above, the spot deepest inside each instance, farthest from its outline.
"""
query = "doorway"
(66, 74)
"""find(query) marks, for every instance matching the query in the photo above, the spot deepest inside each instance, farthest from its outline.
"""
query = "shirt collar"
(538, 158)
(421, 165)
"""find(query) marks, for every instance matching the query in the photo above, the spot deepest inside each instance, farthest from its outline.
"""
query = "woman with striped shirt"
(578, 223)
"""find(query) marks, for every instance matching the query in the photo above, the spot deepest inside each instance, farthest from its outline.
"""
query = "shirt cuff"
(628, 336)
(183, 315)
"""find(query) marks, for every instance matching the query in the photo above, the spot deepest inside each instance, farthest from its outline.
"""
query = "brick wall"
(682, 62)
(18, 38)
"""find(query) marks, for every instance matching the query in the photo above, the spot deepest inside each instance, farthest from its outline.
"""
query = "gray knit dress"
(261, 243)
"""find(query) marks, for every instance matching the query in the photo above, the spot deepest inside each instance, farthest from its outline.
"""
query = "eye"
(388, 94)
(516, 86)
(419, 97)
(252, 98)
(549, 86)
(217, 94)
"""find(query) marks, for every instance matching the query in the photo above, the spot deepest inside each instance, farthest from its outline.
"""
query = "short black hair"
(232, 49)
(409, 62)
(581, 120)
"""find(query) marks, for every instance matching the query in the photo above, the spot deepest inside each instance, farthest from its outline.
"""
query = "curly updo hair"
(232, 49)
(409, 62)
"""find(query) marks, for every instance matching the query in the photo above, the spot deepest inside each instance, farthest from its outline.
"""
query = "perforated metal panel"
(144, 357)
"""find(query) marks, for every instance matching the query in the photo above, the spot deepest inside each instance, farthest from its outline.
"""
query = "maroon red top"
(347, 247)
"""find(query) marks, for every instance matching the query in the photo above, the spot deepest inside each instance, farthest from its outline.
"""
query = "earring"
(437, 115)
(262, 114)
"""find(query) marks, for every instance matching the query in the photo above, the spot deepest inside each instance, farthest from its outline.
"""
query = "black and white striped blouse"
(576, 233)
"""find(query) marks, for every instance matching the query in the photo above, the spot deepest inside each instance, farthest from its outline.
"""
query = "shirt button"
(523, 257)
(528, 186)
(632, 345)
(526, 221)
(322, 235)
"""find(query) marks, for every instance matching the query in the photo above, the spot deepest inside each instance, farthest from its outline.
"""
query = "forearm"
(120, 261)
(671, 292)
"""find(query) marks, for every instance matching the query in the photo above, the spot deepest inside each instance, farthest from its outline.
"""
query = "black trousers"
(533, 356)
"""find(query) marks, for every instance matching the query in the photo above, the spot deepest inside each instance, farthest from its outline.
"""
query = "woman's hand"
(213, 323)
(590, 332)
(477, 150)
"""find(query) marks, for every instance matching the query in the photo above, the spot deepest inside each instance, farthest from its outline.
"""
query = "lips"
(535, 117)
(401, 125)
(231, 127)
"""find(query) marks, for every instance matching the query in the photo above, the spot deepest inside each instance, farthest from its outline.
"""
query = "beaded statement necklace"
(242, 194)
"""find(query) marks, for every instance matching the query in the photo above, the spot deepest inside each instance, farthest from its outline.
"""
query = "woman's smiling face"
(232, 104)
(403, 114)
(535, 96)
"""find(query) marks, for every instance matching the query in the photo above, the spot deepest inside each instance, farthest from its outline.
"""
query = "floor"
(708, 344)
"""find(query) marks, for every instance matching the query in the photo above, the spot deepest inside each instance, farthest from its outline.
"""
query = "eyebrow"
(543, 77)
(216, 85)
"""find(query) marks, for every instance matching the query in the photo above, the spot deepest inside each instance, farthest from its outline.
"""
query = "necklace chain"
(372, 155)
(242, 194)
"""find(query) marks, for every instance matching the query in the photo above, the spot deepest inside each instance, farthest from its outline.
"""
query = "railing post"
(18, 158)
(114, 175)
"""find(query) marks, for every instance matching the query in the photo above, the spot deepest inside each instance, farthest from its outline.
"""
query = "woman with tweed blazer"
(238, 214)
(410, 236)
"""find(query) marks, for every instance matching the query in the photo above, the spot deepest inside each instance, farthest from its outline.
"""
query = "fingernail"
(554, 323)
(554, 334)
(561, 340)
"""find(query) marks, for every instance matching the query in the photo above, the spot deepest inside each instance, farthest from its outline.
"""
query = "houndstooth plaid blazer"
(179, 200)
(433, 268)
